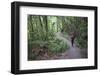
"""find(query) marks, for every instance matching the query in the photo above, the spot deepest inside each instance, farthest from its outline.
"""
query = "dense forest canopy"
(42, 32)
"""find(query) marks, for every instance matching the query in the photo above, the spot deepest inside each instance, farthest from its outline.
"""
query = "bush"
(54, 46)
(57, 46)
(82, 43)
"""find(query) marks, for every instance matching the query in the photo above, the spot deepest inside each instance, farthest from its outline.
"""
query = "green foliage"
(57, 46)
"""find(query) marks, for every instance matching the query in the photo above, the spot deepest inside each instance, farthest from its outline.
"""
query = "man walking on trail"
(73, 35)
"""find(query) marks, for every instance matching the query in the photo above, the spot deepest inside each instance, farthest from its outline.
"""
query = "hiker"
(73, 36)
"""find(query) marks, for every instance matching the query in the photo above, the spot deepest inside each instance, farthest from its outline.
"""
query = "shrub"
(57, 46)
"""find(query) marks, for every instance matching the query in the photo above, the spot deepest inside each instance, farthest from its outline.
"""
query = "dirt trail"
(71, 53)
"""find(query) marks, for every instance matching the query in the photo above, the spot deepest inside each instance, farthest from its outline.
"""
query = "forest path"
(72, 53)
